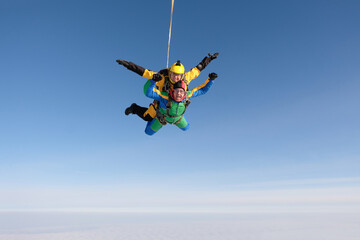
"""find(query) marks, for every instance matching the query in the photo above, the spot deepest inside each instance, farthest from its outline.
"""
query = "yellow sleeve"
(148, 74)
(192, 74)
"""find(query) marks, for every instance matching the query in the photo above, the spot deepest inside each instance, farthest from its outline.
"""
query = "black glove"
(206, 61)
(212, 76)
(123, 62)
(213, 56)
(156, 77)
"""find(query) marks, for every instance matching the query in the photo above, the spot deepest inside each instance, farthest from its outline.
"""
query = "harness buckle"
(160, 117)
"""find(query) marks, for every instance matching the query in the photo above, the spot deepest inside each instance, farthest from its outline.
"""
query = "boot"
(130, 109)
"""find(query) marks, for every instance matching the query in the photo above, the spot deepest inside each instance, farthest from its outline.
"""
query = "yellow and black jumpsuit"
(163, 85)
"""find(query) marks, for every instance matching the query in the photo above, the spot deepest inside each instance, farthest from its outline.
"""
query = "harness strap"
(161, 117)
(175, 123)
(166, 86)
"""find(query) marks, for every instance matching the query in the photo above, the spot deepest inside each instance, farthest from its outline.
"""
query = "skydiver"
(172, 105)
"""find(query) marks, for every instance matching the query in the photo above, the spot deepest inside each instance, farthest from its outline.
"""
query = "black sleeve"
(202, 65)
(136, 68)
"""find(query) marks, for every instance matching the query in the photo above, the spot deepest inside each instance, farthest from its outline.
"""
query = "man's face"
(179, 93)
(175, 77)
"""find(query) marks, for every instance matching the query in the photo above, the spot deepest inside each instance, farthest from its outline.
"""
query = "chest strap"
(162, 117)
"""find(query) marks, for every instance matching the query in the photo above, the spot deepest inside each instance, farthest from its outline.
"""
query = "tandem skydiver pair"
(169, 89)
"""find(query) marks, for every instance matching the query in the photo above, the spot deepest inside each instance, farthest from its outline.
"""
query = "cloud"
(341, 194)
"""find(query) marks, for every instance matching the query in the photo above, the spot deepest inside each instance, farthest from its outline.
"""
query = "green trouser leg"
(183, 124)
(153, 126)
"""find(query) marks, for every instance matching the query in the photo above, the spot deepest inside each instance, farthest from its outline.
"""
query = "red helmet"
(179, 84)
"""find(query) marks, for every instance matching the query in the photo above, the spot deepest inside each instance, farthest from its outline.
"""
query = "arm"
(204, 88)
(203, 64)
(153, 93)
(158, 78)
(136, 69)
(200, 90)
(195, 72)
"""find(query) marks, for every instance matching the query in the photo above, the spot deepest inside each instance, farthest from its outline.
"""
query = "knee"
(148, 130)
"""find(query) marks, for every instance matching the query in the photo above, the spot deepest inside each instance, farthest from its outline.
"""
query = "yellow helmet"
(177, 68)
(177, 71)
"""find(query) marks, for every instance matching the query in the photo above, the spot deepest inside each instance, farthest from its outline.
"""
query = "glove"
(123, 62)
(212, 76)
(213, 56)
(156, 77)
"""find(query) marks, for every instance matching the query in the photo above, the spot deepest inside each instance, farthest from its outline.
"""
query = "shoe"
(130, 109)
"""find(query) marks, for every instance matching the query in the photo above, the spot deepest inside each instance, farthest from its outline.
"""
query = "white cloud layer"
(105, 226)
(332, 195)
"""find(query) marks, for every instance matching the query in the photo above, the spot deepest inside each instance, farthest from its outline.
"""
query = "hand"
(212, 76)
(156, 77)
(213, 56)
(123, 62)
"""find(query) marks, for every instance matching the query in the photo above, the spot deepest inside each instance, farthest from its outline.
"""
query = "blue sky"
(282, 116)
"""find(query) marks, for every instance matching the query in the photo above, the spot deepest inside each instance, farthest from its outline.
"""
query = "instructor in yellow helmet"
(177, 72)
(166, 78)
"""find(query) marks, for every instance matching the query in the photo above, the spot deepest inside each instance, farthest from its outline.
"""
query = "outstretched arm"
(203, 64)
(195, 72)
(136, 69)
(204, 88)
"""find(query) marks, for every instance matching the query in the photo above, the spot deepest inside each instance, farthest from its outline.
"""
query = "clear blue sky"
(285, 108)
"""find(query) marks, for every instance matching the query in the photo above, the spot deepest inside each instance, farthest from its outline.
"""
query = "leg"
(183, 124)
(140, 111)
(153, 126)
(150, 113)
